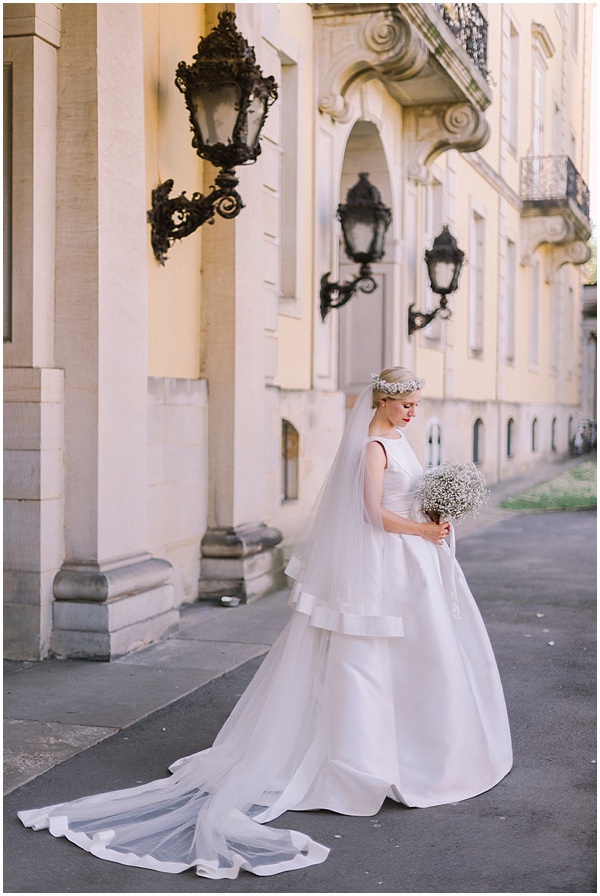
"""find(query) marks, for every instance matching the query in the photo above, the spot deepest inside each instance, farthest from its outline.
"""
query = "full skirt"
(330, 721)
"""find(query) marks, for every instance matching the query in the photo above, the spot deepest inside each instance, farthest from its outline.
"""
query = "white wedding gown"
(331, 720)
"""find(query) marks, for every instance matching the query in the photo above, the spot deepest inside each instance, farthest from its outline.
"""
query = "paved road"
(535, 579)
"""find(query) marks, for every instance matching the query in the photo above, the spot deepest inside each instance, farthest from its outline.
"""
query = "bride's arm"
(392, 522)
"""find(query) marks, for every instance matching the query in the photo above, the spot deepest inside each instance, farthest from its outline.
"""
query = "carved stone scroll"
(558, 234)
(378, 44)
(430, 130)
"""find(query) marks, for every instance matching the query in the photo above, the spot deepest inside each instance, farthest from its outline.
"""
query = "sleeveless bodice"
(401, 476)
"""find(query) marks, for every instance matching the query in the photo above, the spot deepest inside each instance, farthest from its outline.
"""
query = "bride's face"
(400, 411)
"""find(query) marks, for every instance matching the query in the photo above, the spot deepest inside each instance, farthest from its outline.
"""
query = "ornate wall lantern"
(444, 262)
(365, 220)
(228, 99)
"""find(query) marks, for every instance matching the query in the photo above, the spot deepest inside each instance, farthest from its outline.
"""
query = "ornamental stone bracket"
(410, 49)
(559, 234)
(431, 130)
(358, 41)
(576, 252)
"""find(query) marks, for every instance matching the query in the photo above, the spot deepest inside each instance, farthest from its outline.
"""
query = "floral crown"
(396, 388)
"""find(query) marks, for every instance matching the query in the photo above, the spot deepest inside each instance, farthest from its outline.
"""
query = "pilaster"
(239, 557)
(112, 597)
(33, 391)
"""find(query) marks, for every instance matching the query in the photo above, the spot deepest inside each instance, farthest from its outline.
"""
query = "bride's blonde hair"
(392, 376)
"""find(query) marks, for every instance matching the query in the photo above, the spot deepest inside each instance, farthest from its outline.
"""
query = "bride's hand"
(436, 532)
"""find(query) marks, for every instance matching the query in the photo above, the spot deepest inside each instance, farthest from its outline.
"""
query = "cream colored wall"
(296, 319)
(489, 182)
(171, 32)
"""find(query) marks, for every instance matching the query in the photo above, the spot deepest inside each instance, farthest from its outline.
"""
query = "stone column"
(33, 390)
(112, 596)
(239, 553)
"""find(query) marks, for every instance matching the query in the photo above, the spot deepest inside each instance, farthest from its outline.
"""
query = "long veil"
(338, 563)
(208, 814)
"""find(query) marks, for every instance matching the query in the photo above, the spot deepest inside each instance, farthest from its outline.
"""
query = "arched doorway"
(364, 333)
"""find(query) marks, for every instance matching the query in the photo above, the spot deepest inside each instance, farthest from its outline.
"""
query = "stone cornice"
(494, 179)
(41, 20)
(542, 40)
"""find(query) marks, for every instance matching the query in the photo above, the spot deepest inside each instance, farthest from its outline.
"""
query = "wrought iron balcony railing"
(467, 24)
(554, 178)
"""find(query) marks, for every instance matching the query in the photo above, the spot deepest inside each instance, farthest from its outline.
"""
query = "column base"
(103, 612)
(242, 562)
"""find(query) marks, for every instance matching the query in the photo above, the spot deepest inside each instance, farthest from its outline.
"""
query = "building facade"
(167, 427)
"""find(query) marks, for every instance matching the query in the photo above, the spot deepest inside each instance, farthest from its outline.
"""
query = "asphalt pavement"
(75, 728)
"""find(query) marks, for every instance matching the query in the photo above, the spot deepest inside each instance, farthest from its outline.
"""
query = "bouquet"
(452, 491)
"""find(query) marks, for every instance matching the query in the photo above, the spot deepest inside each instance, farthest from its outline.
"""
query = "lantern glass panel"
(257, 111)
(378, 240)
(216, 112)
(359, 235)
(442, 274)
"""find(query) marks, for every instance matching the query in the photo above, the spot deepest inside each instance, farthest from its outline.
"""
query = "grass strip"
(572, 490)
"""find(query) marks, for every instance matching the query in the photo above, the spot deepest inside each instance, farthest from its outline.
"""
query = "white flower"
(396, 388)
(452, 491)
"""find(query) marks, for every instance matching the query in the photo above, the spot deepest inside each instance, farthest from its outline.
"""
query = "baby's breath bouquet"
(452, 491)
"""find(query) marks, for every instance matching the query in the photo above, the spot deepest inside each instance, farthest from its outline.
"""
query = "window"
(433, 444)
(290, 441)
(510, 438)
(512, 93)
(534, 316)
(574, 28)
(534, 433)
(537, 142)
(478, 441)
(570, 432)
(568, 334)
(288, 224)
(477, 268)
(553, 435)
(433, 224)
(510, 303)
(558, 129)
(555, 326)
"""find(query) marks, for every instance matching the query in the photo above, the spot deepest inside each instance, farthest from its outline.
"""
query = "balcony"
(467, 24)
(431, 59)
(552, 183)
(555, 207)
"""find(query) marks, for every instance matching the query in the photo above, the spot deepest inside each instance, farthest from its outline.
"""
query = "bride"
(374, 689)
